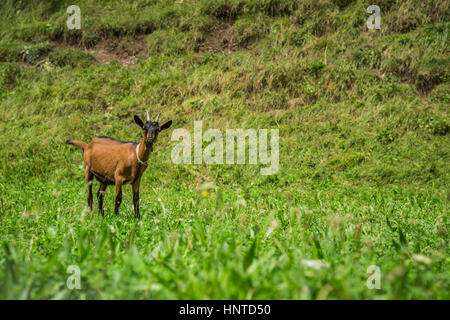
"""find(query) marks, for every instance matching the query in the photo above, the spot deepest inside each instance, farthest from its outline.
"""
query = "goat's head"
(151, 128)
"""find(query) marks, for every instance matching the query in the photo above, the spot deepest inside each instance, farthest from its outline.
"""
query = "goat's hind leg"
(100, 194)
(89, 180)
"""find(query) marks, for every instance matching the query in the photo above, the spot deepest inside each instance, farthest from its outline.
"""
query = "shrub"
(32, 53)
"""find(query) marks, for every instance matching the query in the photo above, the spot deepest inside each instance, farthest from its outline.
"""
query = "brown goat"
(114, 162)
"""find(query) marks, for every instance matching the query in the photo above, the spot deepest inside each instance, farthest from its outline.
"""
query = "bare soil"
(220, 39)
(125, 52)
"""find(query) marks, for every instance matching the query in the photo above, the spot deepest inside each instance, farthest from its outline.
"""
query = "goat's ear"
(138, 121)
(166, 125)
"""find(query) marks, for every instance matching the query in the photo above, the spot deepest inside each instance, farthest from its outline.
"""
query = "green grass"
(363, 120)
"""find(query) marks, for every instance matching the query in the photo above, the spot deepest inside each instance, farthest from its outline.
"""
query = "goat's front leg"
(118, 196)
(89, 180)
(136, 199)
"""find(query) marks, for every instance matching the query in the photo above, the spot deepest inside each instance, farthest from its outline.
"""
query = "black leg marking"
(90, 196)
(118, 202)
(136, 204)
(100, 194)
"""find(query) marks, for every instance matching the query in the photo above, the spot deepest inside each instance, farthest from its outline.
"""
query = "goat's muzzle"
(149, 141)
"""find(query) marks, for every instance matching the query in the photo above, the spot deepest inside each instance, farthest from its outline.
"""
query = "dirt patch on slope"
(220, 39)
(224, 39)
(125, 52)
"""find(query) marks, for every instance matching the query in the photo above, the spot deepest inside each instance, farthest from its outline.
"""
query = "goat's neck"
(144, 151)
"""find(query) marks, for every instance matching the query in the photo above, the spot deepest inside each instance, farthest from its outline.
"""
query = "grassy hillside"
(363, 119)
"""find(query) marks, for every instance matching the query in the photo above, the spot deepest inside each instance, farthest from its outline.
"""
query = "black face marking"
(152, 128)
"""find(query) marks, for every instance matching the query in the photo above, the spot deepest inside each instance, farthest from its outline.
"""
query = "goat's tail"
(79, 144)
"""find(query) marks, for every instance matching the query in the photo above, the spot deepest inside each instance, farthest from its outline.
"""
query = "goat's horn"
(148, 116)
(157, 117)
